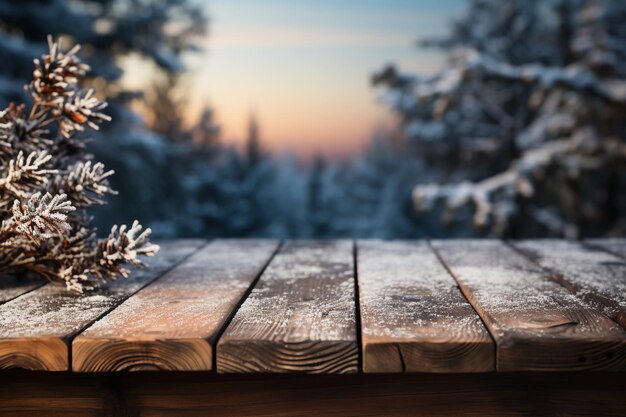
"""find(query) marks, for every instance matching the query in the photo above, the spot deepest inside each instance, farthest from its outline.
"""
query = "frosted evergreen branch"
(123, 246)
(532, 101)
(57, 75)
(25, 175)
(47, 181)
(55, 88)
(406, 91)
(21, 133)
(86, 183)
(80, 110)
(490, 199)
(41, 217)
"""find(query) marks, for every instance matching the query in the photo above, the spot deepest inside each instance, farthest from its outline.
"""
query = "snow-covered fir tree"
(249, 179)
(323, 193)
(375, 192)
(227, 192)
(526, 124)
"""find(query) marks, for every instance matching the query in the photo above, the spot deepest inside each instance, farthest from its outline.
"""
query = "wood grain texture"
(300, 317)
(536, 323)
(12, 287)
(36, 328)
(172, 324)
(594, 275)
(414, 318)
(202, 394)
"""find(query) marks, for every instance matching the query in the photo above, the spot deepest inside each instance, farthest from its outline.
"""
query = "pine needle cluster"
(48, 181)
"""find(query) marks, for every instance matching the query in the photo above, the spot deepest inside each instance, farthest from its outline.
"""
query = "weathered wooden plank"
(36, 328)
(596, 276)
(300, 317)
(536, 323)
(616, 246)
(172, 324)
(414, 318)
(12, 287)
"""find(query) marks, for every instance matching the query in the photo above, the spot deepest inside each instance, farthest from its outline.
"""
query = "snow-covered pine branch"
(527, 122)
(47, 181)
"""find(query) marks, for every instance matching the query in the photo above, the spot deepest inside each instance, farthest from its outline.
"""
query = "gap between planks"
(596, 274)
(240, 303)
(36, 328)
(300, 317)
(536, 323)
(414, 317)
(594, 363)
(158, 276)
(174, 323)
(357, 305)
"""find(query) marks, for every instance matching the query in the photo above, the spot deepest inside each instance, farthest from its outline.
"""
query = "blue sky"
(303, 67)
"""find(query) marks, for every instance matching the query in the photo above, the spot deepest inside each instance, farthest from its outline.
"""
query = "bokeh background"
(391, 119)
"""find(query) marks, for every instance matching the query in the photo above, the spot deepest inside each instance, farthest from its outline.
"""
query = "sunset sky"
(303, 67)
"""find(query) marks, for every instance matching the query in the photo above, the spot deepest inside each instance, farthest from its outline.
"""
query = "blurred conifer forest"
(521, 134)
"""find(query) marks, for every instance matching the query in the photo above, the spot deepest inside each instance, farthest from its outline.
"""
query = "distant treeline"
(522, 133)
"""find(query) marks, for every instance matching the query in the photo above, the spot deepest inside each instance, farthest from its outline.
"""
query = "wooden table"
(236, 327)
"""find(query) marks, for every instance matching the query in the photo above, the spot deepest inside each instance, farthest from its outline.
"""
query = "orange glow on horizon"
(303, 74)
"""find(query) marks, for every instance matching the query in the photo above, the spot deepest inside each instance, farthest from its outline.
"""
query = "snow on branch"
(492, 199)
(47, 181)
(406, 91)
(523, 130)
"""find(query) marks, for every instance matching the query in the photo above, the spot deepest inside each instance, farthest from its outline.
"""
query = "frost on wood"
(526, 121)
(47, 181)
(405, 284)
